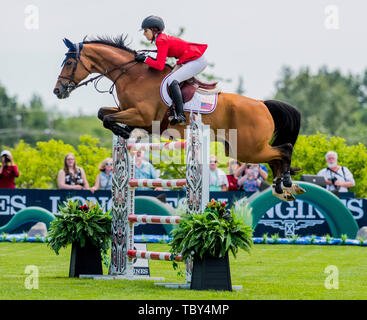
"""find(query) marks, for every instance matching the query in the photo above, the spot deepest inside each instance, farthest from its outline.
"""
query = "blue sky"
(252, 39)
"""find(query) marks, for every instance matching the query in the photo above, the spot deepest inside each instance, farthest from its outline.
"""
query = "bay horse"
(266, 130)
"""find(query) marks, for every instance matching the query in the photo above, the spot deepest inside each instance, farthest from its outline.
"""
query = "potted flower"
(88, 229)
(208, 238)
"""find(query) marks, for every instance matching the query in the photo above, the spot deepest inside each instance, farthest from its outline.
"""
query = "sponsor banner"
(286, 218)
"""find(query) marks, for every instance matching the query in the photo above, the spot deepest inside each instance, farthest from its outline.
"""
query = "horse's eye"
(68, 63)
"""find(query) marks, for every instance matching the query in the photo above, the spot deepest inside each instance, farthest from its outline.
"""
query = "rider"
(190, 60)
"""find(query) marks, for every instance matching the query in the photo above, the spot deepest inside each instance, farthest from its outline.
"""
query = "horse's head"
(73, 70)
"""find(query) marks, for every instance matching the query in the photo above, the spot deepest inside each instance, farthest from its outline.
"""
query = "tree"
(330, 102)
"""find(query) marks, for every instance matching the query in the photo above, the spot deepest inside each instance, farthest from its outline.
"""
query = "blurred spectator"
(104, 179)
(259, 171)
(249, 177)
(71, 176)
(337, 178)
(233, 166)
(8, 170)
(144, 170)
(217, 178)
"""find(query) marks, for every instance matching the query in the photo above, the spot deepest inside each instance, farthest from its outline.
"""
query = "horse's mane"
(117, 42)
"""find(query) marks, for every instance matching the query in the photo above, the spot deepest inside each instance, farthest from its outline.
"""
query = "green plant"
(294, 238)
(344, 237)
(312, 239)
(328, 238)
(265, 238)
(13, 240)
(361, 240)
(25, 237)
(3, 236)
(77, 223)
(275, 238)
(215, 232)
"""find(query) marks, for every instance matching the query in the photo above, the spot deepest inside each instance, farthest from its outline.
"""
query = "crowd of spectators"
(248, 177)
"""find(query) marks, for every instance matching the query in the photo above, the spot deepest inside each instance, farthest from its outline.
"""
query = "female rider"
(191, 60)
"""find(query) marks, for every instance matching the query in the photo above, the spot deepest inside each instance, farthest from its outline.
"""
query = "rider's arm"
(162, 50)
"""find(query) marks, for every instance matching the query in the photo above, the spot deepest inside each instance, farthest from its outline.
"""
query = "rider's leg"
(176, 95)
(186, 71)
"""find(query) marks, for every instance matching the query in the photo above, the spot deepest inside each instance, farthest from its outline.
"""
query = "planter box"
(86, 260)
(211, 274)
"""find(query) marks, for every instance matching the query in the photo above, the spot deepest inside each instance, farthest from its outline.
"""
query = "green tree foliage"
(309, 154)
(330, 102)
(39, 166)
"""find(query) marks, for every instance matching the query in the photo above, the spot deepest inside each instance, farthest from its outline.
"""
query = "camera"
(333, 180)
(6, 159)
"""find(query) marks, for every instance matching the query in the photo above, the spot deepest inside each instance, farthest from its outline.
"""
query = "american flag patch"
(206, 106)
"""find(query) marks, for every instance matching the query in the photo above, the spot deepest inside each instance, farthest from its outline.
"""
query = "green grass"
(270, 272)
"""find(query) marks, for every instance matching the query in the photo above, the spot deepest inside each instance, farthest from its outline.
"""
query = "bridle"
(72, 84)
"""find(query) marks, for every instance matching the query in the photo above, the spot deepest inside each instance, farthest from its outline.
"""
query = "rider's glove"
(140, 57)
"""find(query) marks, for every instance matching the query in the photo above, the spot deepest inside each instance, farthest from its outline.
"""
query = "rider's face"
(148, 33)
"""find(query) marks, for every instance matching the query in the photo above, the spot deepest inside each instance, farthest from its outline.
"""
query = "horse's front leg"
(119, 130)
(104, 111)
(130, 119)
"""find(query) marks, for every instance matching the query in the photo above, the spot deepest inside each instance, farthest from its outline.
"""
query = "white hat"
(5, 152)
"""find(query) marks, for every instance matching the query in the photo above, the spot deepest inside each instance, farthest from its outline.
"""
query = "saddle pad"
(200, 102)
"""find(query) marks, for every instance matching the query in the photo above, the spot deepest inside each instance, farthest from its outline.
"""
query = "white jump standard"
(197, 146)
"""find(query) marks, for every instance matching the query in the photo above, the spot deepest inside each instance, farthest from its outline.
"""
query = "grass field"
(270, 272)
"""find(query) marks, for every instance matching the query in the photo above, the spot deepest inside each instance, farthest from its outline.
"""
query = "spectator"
(104, 179)
(8, 170)
(144, 169)
(260, 172)
(217, 178)
(71, 176)
(337, 178)
(233, 166)
(249, 177)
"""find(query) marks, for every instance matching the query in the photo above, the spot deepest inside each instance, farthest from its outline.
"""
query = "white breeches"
(188, 70)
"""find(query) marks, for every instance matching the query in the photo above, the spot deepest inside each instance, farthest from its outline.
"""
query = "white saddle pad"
(202, 103)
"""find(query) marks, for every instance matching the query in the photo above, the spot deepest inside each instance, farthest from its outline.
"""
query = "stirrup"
(172, 114)
(181, 119)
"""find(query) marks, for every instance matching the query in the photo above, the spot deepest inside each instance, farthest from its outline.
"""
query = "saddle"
(190, 86)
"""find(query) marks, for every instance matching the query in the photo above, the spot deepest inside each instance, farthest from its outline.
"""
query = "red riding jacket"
(169, 46)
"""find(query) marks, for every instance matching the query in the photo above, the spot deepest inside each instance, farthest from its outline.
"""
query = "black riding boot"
(178, 101)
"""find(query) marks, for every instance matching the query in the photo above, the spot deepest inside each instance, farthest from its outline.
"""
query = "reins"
(96, 79)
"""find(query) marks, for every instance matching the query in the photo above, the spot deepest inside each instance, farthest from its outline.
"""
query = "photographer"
(8, 170)
(337, 178)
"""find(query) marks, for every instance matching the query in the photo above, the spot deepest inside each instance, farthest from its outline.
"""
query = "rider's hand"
(140, 57)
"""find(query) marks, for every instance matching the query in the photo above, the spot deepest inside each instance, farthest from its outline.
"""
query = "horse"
(266, 130)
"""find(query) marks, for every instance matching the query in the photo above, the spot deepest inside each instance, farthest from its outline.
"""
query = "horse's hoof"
(285, 196)
(119, 131)
(295, 189)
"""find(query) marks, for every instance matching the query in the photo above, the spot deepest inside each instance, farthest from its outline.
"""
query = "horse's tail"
(287, 121)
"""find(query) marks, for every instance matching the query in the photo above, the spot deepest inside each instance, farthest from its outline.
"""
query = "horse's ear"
(68, 43)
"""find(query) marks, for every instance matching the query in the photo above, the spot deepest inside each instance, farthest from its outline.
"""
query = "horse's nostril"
(56, 91)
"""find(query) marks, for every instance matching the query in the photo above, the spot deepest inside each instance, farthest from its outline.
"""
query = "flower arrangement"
(214, 233)
(79, 224)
